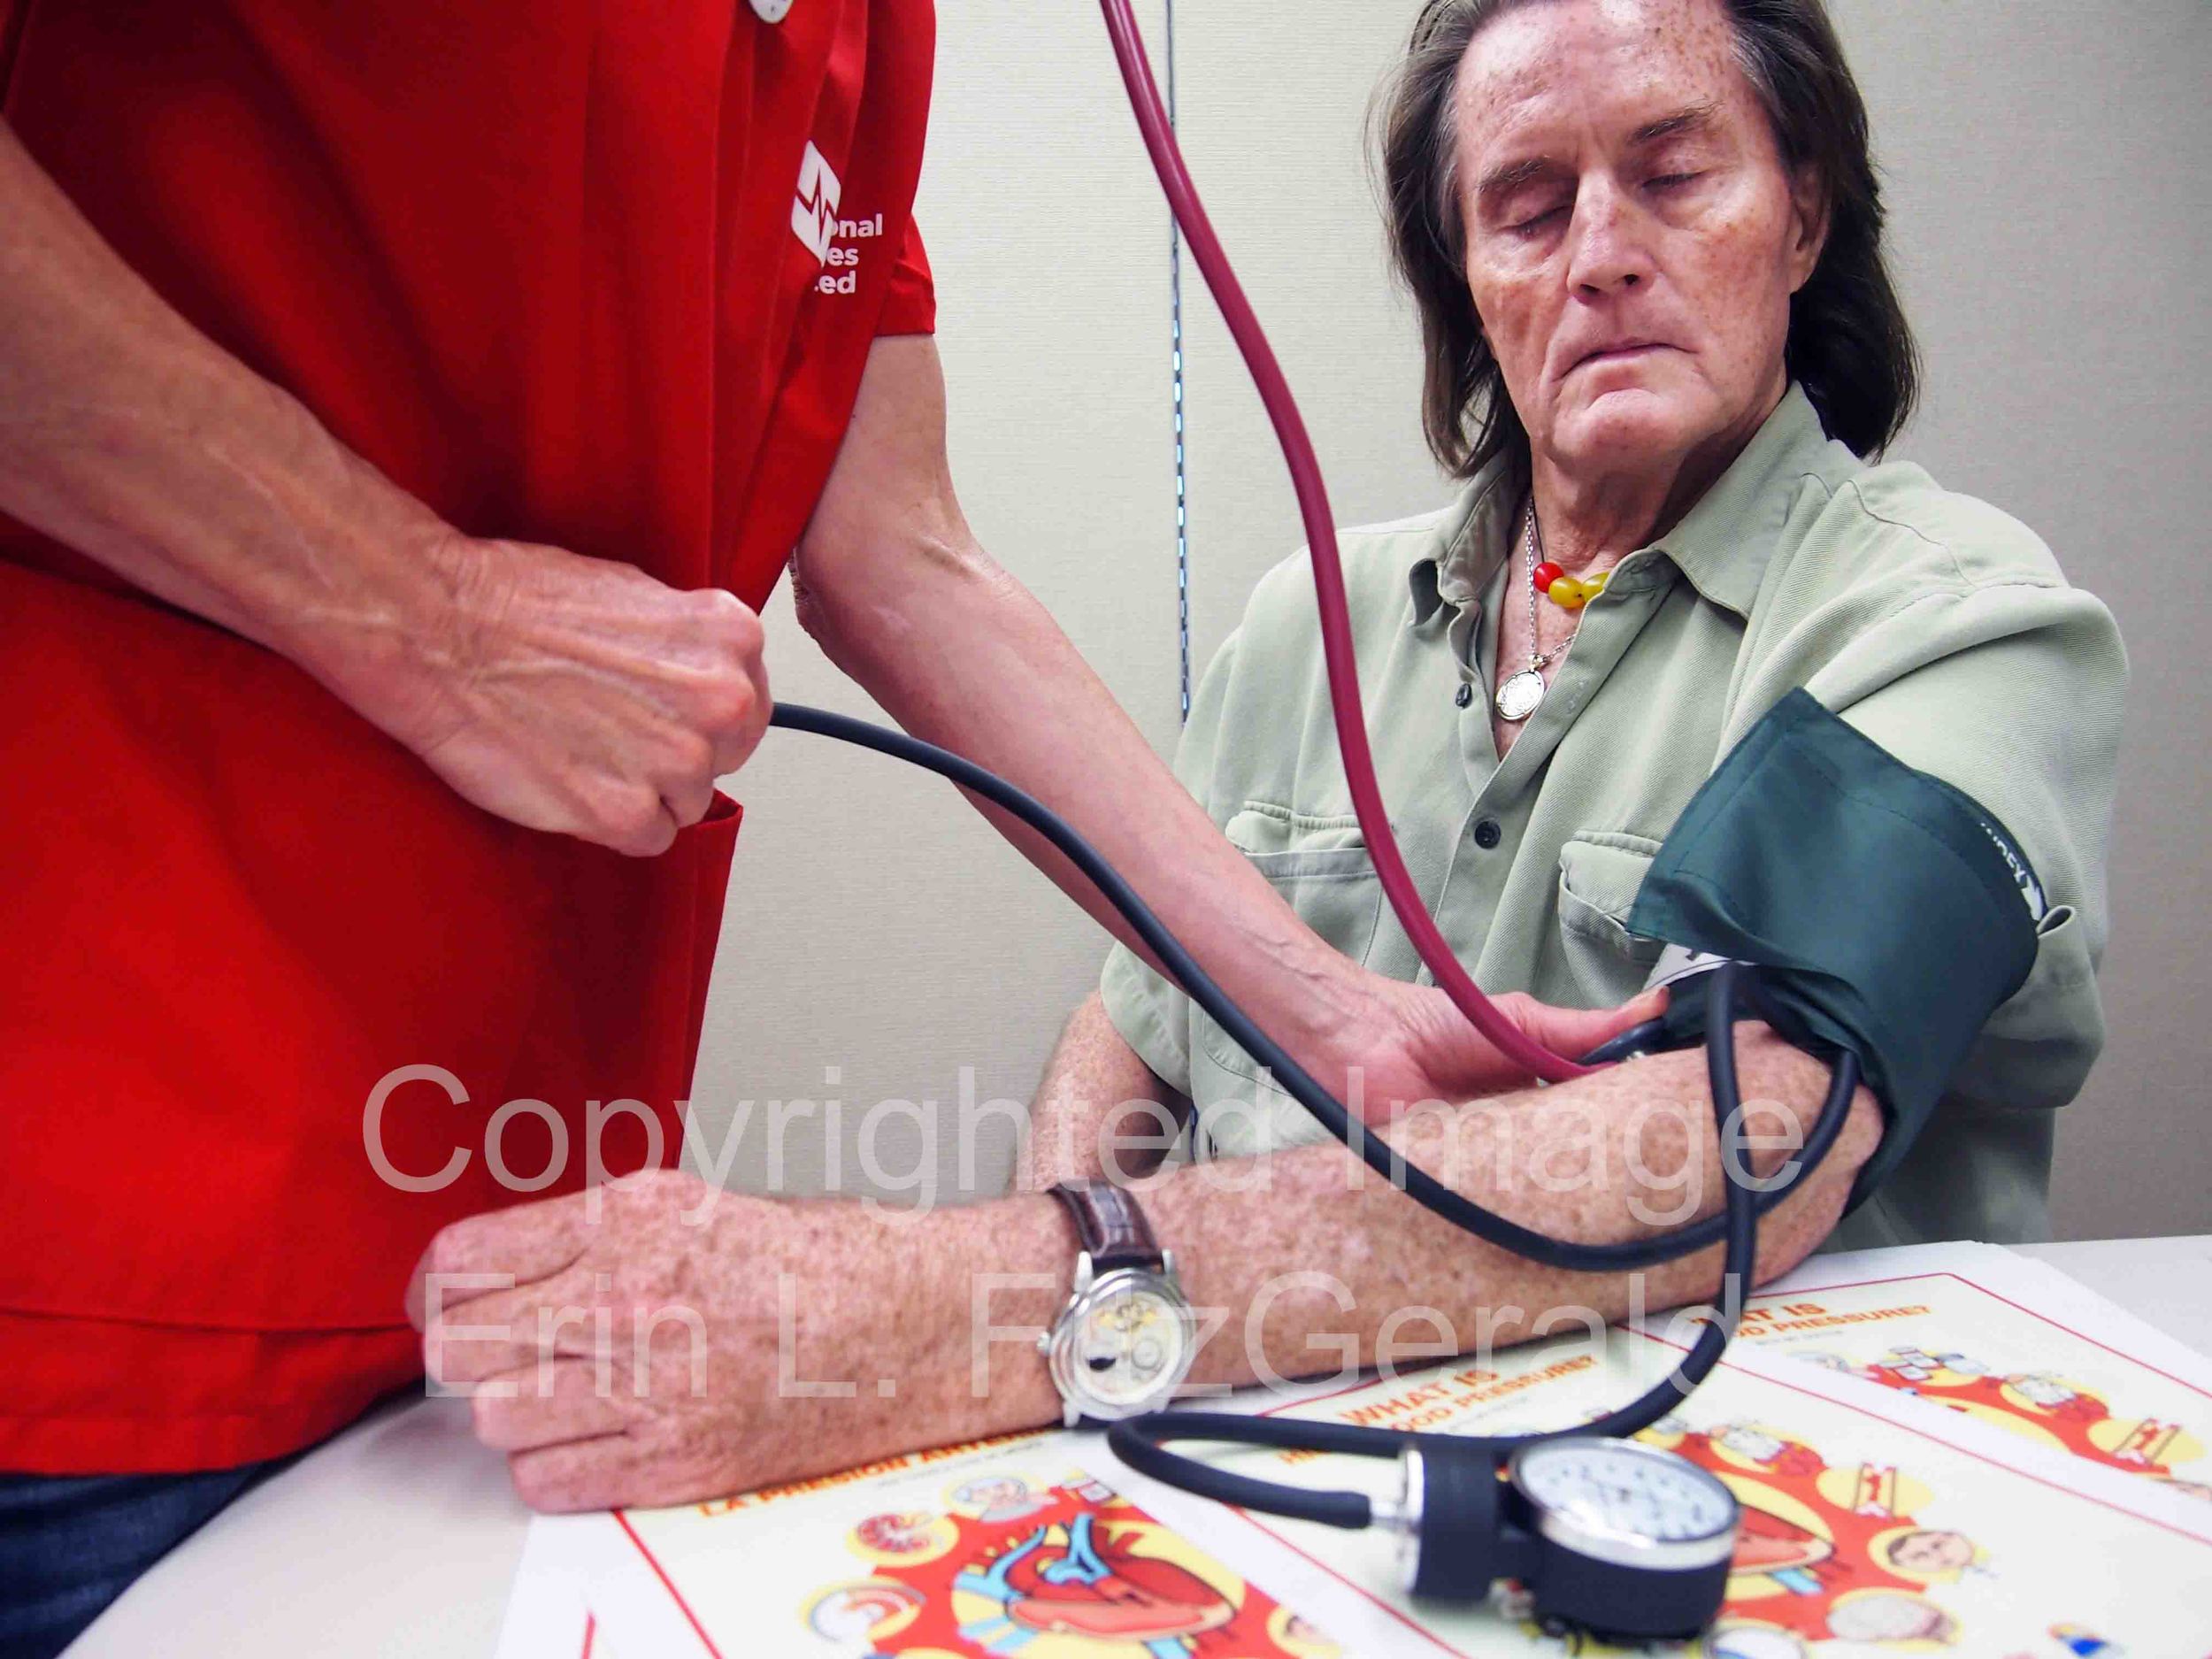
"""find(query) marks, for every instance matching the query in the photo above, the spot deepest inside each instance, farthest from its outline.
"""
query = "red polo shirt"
(602, 276)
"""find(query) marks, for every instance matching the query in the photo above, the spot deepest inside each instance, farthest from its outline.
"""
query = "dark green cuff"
(1886, 906)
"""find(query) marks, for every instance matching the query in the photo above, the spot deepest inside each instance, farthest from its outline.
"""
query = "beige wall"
(2042, 159)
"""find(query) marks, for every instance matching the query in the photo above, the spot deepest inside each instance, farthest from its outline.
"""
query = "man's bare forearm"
(562, 692)
(918, 1331)
(128, 435)
(1629, 1154)
(1311, 1260)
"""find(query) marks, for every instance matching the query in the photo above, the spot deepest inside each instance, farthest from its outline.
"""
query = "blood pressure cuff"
(1892, 912)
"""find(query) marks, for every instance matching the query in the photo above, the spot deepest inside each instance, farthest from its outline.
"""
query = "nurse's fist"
(573, 694)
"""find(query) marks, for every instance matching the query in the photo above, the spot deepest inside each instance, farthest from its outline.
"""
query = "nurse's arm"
(901, 595)
(565, 692)
(892, 581)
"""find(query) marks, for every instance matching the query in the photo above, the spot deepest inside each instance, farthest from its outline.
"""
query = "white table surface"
(401, 1536)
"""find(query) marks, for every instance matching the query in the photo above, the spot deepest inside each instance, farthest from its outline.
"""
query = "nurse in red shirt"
(403, 410)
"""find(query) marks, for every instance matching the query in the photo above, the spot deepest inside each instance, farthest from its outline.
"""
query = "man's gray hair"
(1849, 345)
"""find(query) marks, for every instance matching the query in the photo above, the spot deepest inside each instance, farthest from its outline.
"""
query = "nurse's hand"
(567, 693)
(690, 1344)
(1415, 1046)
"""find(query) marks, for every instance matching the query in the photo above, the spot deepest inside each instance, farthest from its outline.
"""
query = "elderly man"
(1644, 238)
(1694, 339)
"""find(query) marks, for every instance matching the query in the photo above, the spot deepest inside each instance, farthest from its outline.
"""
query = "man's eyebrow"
(1503, 181)
(1690, 118)
(1506, 180)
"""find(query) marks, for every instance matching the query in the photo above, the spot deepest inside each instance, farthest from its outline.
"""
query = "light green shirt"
(1934, 623)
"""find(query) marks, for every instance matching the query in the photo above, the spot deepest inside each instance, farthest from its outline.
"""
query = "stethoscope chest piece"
(1609, 1536)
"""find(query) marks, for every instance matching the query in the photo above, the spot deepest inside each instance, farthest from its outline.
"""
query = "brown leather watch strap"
(1111, 1225)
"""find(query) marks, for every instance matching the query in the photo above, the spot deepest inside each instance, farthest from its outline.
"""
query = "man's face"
(1632, 237)
(1933, 1553)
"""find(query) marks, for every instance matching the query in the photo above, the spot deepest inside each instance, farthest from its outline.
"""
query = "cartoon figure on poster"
(1071, 1572)
(1824, 1553)
(995, 1498)
(2053, 1411)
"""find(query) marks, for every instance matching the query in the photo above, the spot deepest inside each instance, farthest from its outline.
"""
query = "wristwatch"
(1127, 1335)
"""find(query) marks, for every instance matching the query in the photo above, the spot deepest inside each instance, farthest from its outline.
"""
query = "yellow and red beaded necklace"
(1519, 696)
(1567, 592)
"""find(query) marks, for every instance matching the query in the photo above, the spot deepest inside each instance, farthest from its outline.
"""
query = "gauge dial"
(1617, 1499)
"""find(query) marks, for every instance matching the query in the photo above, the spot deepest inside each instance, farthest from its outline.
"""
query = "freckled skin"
(1695, 242)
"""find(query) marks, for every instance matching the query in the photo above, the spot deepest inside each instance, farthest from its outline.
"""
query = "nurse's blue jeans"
(71, 1544)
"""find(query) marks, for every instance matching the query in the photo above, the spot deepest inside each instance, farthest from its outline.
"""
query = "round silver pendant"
(1518, 698)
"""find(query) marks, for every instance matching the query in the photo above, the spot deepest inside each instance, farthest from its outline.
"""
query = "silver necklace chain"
(1517, 697)
(1532, 547)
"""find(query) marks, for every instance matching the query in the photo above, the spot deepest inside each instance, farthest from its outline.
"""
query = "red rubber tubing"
(1328, 568)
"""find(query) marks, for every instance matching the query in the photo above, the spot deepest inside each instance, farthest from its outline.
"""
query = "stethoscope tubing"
(1328, 569)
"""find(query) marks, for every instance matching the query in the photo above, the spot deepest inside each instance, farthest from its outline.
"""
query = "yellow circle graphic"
(869, 1609)
(1299, 1638)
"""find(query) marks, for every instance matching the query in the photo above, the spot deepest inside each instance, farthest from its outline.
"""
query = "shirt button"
(1487, 834)
(1464, 695)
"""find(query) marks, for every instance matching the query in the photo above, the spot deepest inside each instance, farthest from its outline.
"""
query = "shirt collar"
(1722, 545)
(1471, 541)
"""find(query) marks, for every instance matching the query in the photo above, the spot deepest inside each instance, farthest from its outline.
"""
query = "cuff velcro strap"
(1891, 913)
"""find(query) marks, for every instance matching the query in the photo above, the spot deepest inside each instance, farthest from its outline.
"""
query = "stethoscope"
(1605, 1534)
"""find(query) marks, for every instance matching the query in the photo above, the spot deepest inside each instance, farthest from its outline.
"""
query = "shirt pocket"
(1321, 866)
(1600, 874)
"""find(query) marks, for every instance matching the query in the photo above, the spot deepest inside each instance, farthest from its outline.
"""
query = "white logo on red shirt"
(828, 238)
(770, 11)
(814, 213)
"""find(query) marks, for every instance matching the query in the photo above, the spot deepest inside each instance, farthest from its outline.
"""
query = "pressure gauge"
(1623, 1503)
(1612, 1537)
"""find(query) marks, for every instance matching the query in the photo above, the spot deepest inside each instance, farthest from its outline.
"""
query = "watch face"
(1126, 1347)
(1590, 1491)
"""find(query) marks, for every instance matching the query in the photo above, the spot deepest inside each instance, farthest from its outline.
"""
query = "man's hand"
(567, 693)
(689, 1344)
(1414, 1046)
